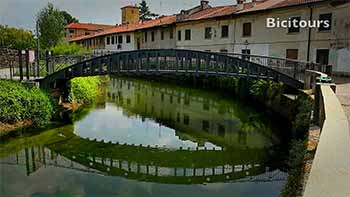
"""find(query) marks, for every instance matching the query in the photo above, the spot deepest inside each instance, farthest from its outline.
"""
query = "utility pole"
(38, 51)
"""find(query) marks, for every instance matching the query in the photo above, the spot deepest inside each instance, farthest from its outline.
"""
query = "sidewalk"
(343, 93)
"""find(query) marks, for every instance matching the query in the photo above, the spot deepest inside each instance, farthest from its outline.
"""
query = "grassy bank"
(22, 106)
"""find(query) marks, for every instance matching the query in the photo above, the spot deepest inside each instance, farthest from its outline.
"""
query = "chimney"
(204, 4)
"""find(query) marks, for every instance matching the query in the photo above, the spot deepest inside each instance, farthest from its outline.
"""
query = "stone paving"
(343, 93)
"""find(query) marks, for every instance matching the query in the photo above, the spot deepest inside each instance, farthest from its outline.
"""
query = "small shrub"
(84, 89)
(20, 103)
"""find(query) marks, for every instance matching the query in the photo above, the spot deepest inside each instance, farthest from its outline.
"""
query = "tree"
(68, 19)
(51, 26)
(15, 38)
(145, 13)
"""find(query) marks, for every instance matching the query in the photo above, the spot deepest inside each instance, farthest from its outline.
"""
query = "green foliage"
(84, 89)
(20, 103)
(65, 48)
(145, 13)
(295, 162)
(68, 18)
(14, 38)
(303, 114)
(51, 26)
(268, 91)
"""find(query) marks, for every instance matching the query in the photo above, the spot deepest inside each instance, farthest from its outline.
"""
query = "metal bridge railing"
(291, 67)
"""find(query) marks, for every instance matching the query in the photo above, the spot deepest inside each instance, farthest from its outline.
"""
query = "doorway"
(322, 56)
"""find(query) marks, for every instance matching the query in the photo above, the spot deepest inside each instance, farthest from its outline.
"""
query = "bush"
(295, 164)
(302, 120)
(20, 103)
(65, 48)
(84, 89)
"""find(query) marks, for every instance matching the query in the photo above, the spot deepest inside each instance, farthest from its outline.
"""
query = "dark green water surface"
(147, 138)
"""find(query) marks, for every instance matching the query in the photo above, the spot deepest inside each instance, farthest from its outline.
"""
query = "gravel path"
(343, 93)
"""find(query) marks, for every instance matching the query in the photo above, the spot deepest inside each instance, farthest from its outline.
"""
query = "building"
(75, 30)
(242, 28)
(130, 15)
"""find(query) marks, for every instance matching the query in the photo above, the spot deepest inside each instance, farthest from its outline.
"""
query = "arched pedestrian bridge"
(177, 62)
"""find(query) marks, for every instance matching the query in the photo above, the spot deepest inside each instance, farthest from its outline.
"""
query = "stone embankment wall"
(8, 57)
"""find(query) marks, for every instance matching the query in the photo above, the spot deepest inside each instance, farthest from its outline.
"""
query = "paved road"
(343, 93)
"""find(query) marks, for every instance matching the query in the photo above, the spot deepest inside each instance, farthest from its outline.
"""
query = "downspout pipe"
(309, 37)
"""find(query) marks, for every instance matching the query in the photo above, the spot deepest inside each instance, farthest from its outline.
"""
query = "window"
(146, 36)
(292, 54)
(294, 29)
(246, 53)
(247, 29)
(186, 119)
(224, 31)
(325, 17)
(162, 35)
(221, 130)
(108, 40)
(152, 36)
(128, 39)
(187, 34)
(207, 33)
(205, 125)
(71, 31)
(206, 106)
(223, 51)
(120, 39)
(179, 35)
(87, 33)
(187, 101)
(171, 36)
(113, 40)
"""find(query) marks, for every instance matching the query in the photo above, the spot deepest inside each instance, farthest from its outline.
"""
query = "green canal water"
(146, 138)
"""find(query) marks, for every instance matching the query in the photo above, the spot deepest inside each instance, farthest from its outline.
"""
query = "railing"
(330, 172)
(290, 67)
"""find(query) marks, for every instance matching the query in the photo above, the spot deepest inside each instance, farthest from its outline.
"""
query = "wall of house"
(263, 40)
(73, 33)
(93, 43)
(158, 43)
(116, 46)
(276, 41)
(337, 40)
(198, 41)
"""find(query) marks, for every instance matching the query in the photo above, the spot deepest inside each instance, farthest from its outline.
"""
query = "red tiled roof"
(211, 13)
(165, 20)
(88, 26)
(273, 4)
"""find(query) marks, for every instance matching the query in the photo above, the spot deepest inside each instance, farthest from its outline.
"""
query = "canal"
(145, 138)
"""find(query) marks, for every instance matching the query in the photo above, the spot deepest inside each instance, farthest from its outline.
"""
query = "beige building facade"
(248, 33)
(243, 28)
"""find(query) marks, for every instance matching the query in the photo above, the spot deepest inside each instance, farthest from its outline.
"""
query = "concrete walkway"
(343, 93)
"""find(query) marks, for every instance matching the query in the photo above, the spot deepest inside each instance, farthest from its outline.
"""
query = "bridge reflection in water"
(36, 157)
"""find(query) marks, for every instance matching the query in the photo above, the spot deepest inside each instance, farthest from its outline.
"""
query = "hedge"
(18, 103)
